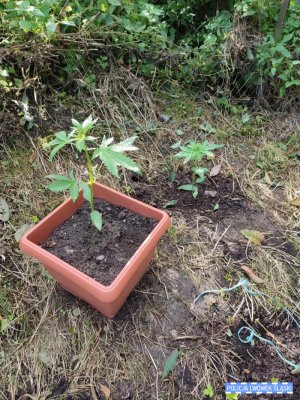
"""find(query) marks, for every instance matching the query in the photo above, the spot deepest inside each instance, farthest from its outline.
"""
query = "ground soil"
(84, 352)
(100, 255)
(220, 190)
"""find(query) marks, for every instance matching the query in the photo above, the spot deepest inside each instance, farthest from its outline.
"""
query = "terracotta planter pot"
(106, 299)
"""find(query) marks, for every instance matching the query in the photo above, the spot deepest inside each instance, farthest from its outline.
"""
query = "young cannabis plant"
(193, 153)
(112, 156)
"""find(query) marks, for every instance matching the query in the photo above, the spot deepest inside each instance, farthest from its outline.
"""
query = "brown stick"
(284, 6)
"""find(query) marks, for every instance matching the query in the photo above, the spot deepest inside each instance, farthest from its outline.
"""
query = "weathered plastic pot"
(106, 299)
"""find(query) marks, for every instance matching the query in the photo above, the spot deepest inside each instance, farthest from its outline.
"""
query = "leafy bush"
(233, 47)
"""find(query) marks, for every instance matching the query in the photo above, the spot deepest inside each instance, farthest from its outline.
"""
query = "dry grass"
(57, 347)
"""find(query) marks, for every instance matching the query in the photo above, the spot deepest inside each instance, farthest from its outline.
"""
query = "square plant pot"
(106, 299)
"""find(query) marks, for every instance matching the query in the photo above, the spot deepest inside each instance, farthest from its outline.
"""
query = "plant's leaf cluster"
(112, 156)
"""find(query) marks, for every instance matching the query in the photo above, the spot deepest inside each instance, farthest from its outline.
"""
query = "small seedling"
(232, 396)
(208, 391)
(194, 153)
(112, 156)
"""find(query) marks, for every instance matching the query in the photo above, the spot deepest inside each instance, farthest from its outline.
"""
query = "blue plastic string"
(253, 334)
(245, 284)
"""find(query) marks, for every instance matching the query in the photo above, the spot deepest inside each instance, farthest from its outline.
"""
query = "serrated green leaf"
(62, 135)
(59, 185)
(195, 151)
(112, 159)
(86, 190)
(125, 145)
(61, 139)
(87, 121)
(76, 123)
(170, 363)
(55, 150)
(74, 191)
(80, 144)
(96, 218)
(106, 142)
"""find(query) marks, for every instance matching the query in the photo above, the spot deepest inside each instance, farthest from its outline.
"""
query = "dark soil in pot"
(100, 255)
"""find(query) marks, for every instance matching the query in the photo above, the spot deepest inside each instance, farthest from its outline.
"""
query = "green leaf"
(112, 159)
(216, 207)
(114, 2)
(208, 391)
(201, 180)
(172, 176)
(200, 171)
(88, 121)
(67, 23)
(245, 118)
(125, 145)
(96, 218)
(187, 187)
(87, 194)
(195, 151)
(283, 50)
(179, 132)
(80, 145)
(254, 237)
(176, 145)
(74, 191)
(170, 363)
(170, 203)
(51, 28)
(57, 177)
(232, 396)
(61, 139)
(295, 82)
(59, 185)
(76, 123)
(195, 192)
(274, 380)
(25, 25)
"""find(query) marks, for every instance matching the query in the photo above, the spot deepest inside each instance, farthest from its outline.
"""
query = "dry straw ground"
(53, 346)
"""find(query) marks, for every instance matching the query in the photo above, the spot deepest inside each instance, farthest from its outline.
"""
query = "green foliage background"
(218, 43)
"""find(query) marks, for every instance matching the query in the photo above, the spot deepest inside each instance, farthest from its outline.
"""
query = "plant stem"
(284, 6)
(91, 177)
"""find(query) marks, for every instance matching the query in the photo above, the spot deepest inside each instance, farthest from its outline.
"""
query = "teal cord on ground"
(253, 334)
(244, 283)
